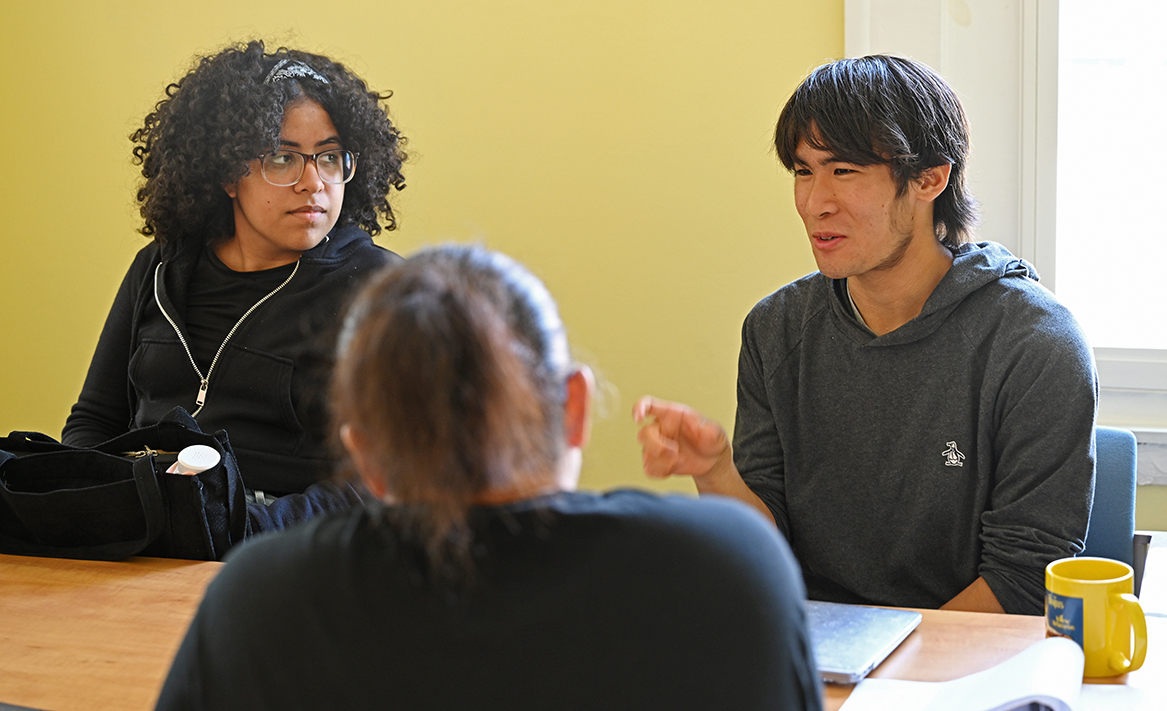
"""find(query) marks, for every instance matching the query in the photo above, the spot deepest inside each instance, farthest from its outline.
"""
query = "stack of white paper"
(1048, 674)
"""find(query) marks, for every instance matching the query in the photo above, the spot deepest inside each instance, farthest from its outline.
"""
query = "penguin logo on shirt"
(952, 456)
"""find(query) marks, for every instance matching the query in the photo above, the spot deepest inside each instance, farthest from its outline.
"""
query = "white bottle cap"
(197, 458)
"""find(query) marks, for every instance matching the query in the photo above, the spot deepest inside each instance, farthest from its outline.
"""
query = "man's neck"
(889, 298)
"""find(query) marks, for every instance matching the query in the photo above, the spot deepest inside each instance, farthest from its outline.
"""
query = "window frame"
(1015, 103)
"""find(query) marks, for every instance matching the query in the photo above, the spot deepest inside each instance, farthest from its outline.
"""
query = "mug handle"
(1134, 611)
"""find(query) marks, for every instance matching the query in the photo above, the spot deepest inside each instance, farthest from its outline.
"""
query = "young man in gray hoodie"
(916, 417)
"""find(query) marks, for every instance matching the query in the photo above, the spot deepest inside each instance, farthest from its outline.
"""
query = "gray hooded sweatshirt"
(902, 467)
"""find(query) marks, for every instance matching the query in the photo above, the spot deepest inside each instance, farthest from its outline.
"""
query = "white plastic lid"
(197, 458)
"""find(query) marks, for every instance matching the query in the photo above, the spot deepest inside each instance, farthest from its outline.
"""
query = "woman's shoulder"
(276, 559)
(144, 262)
(719, 525)
(149, 255)
(637, 503)
(740, 555)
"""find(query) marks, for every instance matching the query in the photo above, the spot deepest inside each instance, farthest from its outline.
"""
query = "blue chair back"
(1112, 518)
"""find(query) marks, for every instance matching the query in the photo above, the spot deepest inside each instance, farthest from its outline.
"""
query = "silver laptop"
(851, 640)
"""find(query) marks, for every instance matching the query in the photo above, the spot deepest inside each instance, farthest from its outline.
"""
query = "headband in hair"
(288, 69)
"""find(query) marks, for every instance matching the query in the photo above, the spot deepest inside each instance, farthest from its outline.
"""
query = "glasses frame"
(307, 157)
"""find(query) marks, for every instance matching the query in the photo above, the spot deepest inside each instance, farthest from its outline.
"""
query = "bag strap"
(20, 442)
(22, 435)
(153, 510)
(150, 496)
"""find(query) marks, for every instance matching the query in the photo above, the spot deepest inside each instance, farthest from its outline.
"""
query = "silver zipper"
(205, 381)
(146, 451)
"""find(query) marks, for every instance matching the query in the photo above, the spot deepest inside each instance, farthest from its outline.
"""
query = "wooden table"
(949, 645)
(96, 635)
(93, 635)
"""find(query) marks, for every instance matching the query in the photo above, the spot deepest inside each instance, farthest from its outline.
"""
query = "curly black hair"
(222, 115)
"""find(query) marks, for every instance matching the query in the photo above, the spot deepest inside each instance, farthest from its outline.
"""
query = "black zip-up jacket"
(268, 389)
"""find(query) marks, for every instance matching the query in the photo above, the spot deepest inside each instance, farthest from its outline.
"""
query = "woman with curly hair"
(482, 580)
(265, 176)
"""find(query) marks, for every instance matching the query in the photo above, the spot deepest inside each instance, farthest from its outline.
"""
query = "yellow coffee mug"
(1091, 601)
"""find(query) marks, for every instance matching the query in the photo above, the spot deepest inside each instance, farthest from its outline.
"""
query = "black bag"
(116, 500)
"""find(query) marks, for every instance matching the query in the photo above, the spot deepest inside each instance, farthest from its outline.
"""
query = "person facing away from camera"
(917, 415)
(265, 175)
(482, 579)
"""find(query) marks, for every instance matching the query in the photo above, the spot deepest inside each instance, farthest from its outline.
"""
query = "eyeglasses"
(284, 168)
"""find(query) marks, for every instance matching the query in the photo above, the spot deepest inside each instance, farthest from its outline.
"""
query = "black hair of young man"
(889, 110)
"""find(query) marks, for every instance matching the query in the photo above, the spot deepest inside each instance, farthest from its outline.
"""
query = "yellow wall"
(620, 148)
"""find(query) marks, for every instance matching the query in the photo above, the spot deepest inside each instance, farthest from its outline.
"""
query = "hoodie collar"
(974, 266)
(179, 262)
(336, 243)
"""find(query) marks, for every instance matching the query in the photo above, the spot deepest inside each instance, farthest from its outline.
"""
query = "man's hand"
(676, 439)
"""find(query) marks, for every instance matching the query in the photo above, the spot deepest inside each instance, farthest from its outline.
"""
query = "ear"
(232, 189)
(932, 182)
(577, 416)
(354, 441)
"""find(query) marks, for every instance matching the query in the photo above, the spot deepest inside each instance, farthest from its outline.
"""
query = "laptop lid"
(851, 640)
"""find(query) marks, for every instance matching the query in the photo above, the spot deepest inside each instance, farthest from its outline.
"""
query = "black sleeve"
(182, 689)
(228, 632)
(103, 409)
(316, 499)
(754, 604)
